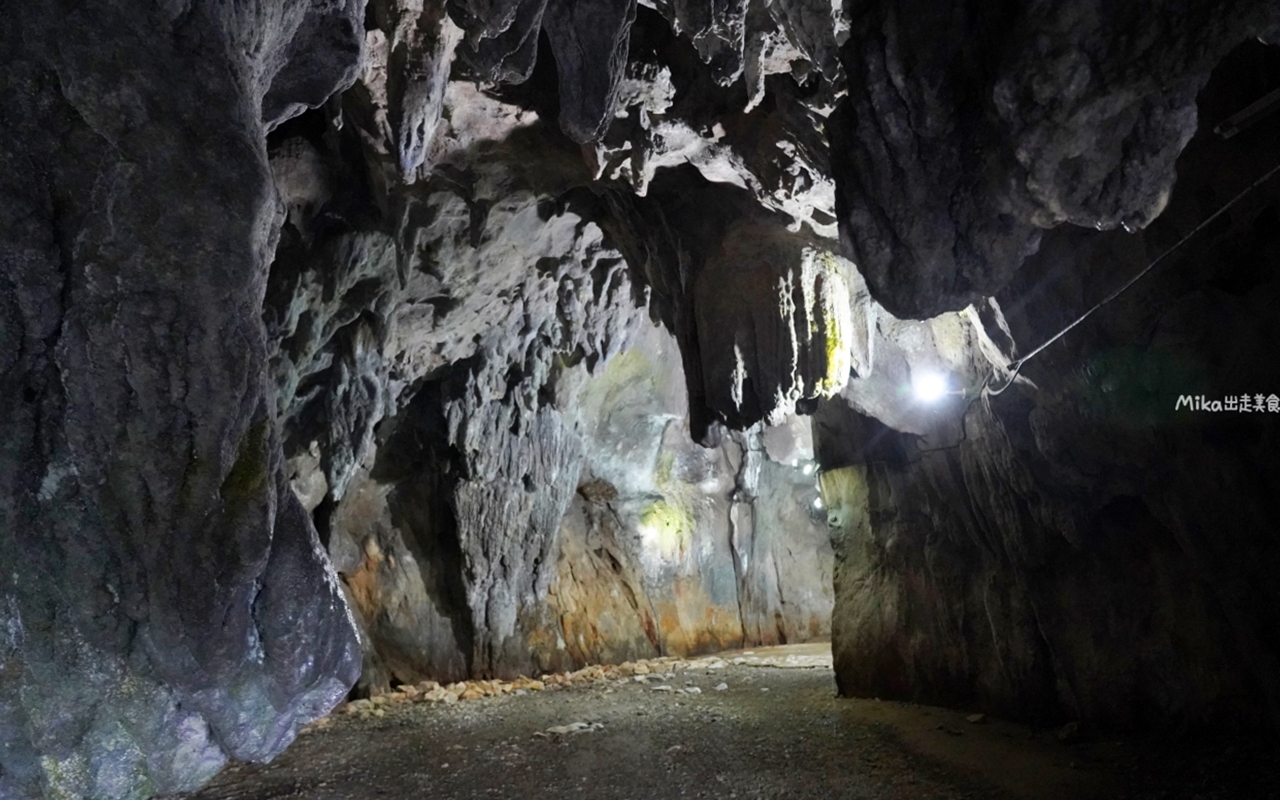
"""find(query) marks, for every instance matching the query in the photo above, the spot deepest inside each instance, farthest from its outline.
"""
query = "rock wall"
(421, 330)
(1082, 548)
(443, 302)
(669, 548)
(166, 605)
(378, 282)
(663, 548)
(952, 154)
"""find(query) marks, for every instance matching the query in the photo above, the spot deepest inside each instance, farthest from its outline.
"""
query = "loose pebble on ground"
(755, 724)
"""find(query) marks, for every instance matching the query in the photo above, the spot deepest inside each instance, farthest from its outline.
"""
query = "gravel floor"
(772, 733)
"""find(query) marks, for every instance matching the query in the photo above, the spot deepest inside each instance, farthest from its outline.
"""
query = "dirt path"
(771, 732)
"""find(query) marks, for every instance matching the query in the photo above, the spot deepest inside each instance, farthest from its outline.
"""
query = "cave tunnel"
(639, 399)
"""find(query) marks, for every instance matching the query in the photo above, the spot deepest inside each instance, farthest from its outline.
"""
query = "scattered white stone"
(663, 688)
(576, 727)
(641, 679)
(764, 688)
(720, 687)
(692, 690)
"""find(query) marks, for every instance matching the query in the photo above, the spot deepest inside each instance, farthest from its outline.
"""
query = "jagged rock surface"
(465, 250)
(166, 605)
(953, 154)
(1084, 549)
(458, 301)
(434, 328)
(671, 548)
(589, 42)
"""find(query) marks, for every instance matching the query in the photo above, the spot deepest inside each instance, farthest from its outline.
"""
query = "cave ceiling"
(762, 167)
(272, 272)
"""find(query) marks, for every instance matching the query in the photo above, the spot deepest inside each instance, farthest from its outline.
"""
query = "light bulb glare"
(929, 387)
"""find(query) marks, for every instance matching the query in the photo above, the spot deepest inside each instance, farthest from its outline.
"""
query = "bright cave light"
(817, 502)
(929, 387)
(808, 469)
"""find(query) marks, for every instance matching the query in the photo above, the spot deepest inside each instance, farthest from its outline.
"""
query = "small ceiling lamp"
(930, 387)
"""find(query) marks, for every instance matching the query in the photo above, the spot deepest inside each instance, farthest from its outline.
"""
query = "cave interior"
(348, 345)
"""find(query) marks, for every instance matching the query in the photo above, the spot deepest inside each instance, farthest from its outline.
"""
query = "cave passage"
(639, 398)
(760, 723)
(719, 726)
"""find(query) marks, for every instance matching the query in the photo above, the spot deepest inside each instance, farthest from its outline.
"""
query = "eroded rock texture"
(671, 548)
(476, 337)
(954, 153)
(166, 602)
(1082, 549)
(442, 334)
(456, 350)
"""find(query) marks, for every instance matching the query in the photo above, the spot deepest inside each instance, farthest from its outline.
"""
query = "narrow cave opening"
(535, 398)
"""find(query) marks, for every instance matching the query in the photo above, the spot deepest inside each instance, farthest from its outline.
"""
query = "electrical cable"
(1016, 366)
(985, 392)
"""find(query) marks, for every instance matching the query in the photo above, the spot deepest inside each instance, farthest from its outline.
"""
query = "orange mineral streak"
(363, 583)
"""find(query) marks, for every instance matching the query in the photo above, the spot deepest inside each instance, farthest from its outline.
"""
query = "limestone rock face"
(628, 539)
(446, 317)
(347, 342)
(412, 49)
(496, 495)
(953, 154)
(509, 55)
(1085, 547)
(166, 602)
(589, 42)
(672, 548)
(782, 337)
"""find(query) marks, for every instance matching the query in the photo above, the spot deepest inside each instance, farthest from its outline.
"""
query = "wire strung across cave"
(1016, 365)
(985, 392)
